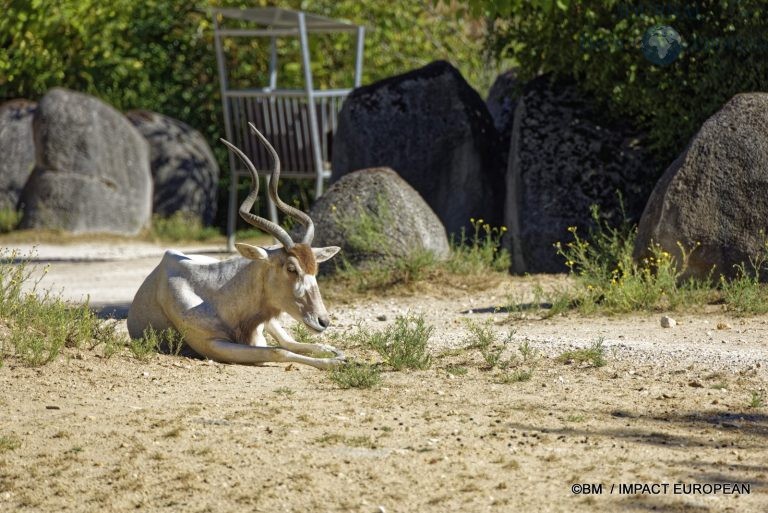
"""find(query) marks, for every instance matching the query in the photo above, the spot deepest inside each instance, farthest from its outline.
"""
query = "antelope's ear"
(323, 254)
(252, 252)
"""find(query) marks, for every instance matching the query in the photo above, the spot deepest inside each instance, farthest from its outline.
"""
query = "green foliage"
(756, 400)
(159, 54)
(9, 219)
(168, 341)
(484, 338)
(475, 255)
(9, 443)
(356, 375)
(745, 294)
(594, 355)
(608, 278)
(598, 42)
(36, 327)
(181, 226)
(480, 252)
(402, 345)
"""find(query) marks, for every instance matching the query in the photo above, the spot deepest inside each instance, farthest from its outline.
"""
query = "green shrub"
(402, 345)
(480, 252)
(356, 375)
(594, 355)
(608, 278)
(9, 219)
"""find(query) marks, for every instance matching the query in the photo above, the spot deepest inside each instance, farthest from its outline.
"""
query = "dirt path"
(173, 434)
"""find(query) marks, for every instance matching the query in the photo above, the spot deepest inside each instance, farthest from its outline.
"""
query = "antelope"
(222, 308)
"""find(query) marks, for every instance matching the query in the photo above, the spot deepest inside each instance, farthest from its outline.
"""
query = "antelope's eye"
(291, 268)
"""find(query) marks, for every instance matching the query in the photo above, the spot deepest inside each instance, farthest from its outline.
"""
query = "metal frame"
(281, 110)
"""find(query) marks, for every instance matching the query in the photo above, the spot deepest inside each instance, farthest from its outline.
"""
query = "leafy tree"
(598, 42)
(158, 54)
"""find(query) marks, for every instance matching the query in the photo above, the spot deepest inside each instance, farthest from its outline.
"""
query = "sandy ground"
(670, 410)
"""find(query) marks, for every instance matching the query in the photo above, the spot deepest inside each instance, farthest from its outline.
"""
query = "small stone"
(695, 384)
(381, 317)
(723, 326)
(667, 322)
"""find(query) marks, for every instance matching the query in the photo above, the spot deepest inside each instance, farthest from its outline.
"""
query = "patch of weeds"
(594, 355)
(479, 252)
(167, 341)
(284, 391)
(301, 333)
(745, 294)
(483, 337)
(181, 226)
(9, 443)
(355, 375)
(473, 255)
(575, 418)
(350, 441)
(756, 400)
(39, 323)
(516, 376)
(722, 385)
(402, 345)
(528, 352)
(9, 219)
(456, 370)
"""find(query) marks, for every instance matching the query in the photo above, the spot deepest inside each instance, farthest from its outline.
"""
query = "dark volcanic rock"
(184, 171)
(563, 158)
(435, 130)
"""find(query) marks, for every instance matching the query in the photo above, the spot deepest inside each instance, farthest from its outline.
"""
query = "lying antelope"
(224, 307)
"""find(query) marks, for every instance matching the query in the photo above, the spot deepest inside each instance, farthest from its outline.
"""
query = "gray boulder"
(92, 168)
(563, 158)
(184, 171)
(435, 130)
(373, 214)
(17, 150)
(501, 102)
(715, 193)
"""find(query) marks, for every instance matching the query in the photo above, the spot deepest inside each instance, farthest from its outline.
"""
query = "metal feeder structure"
(299, 123)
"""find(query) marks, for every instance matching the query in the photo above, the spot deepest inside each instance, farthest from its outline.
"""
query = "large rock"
(715, 193)
(563, 158)
(92, 168)
(435, 130)
(184, 170)
(501, 101)
(373, 214)
(17, 150)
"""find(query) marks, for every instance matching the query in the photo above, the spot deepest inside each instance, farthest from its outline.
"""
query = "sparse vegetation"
(182, 226)
(484, 339)
(402, 345)
(479, 252)
(471, 255)
(9, 219)
(38, 324)
(9, 443)
(168, 341)
(593, 356)
(607, 279)
(756, 399)
(356, 375)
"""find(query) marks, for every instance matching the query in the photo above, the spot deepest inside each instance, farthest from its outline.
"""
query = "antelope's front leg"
(284, 339)
(257, 337)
